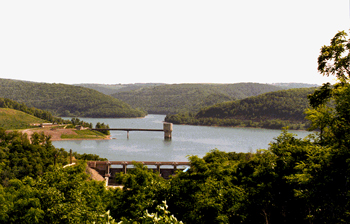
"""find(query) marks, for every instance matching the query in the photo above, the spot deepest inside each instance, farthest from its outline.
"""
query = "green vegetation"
(88, 157)
(14, 119)
(294, 85)
(110, 89)
(171, 99)
(11, 119)
(77, 122)
(66, 100)
(44, 115)
(103, 126)
(270, 110)
(84, 134)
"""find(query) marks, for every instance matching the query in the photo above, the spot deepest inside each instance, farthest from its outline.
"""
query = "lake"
(186, 140)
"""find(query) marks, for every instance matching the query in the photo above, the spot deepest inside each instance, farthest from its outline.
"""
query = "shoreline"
(57, 133)
(80, 139)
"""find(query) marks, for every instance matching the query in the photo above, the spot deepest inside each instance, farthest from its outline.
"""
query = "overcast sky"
(182, 41)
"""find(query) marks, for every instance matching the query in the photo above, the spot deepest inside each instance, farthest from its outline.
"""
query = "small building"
(46, 125)
(79, 127)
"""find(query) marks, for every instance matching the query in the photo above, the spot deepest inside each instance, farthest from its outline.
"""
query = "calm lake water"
(186, 140)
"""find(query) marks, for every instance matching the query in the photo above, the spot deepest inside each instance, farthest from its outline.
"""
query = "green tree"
(322, 177)
(330, 104)
(103, 126)
(143, 190)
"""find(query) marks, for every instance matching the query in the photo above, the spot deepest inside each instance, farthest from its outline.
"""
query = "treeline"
(66, 100)
(190, 119)
(77, 122)
(270, 110)
(180, 98)
(110, 89)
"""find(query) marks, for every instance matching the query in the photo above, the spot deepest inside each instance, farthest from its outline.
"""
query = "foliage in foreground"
(59, 196)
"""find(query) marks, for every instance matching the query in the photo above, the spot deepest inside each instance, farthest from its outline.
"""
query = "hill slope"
(165, 99)
(14, 119)
(294, 85)
(66, 100)
(270, 110)
(110, 89)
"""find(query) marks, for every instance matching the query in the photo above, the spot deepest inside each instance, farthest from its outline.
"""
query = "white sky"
(182, 41)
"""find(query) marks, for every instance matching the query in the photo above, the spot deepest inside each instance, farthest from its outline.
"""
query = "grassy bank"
(14, 119)
(84, 134)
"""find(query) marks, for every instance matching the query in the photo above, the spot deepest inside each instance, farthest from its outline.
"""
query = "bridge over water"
(167, 129)
(108, 169)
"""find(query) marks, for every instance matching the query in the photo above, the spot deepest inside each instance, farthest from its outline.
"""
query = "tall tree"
(330, 104)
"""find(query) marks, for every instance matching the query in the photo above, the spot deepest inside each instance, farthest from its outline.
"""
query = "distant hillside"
(293, 85)
(110, 89)
(171, 99)
(269, 110)
(14, 119)
(66, 100)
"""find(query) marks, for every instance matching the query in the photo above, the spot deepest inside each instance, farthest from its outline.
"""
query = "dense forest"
(176, 98)
(270, 110)
(110, 89)
(66, 100)
(293, 85)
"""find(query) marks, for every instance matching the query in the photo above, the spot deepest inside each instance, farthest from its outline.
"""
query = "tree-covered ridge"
(270, 110)
(294, 85)
(176, 98)
(110, 89)
(285, 105)
(66, 100)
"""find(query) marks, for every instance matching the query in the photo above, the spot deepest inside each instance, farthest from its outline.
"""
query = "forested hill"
(171, 99)
(294, 85)
(66, 100)
(269, 110)
(110, 89)
(285, 104)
